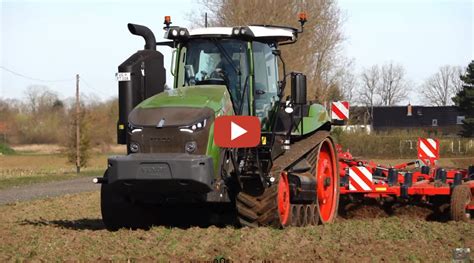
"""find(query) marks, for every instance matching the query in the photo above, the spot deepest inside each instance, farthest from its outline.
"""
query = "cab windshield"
(218, 62)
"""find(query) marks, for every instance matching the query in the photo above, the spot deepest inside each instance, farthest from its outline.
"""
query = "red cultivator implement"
(417, 181)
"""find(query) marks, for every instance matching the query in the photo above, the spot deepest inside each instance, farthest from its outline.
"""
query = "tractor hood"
(210, 96)
(170, 120)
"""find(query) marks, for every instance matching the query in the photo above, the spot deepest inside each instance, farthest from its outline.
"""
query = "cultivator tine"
(457, 179)
(425, 170)
(408, 181)
(470, 172)
(441, 175)
(392, 177)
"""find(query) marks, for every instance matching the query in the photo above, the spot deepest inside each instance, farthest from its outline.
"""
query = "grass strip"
(53, 177)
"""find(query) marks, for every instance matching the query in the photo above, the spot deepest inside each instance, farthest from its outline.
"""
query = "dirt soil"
(70, 228)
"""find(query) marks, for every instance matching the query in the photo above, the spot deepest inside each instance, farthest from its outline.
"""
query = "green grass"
(28, 180)
(5, 149)
(25, 168)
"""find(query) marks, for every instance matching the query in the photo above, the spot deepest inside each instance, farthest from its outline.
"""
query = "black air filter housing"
(145, 76)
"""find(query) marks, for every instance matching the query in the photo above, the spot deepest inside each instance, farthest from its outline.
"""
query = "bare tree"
(317, 52)
(370, 82)
(442, 86)
(348, 82)
(40, 98)
(393, 87)
(457, 79)
(367, 91)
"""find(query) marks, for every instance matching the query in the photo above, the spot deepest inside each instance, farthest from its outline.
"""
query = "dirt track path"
(44, 190)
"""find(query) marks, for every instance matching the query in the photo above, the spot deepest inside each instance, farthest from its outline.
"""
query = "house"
(439, 119)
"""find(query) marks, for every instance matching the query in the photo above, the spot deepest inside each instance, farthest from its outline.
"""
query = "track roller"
(294, 215)
(309, 212)
(301, 218)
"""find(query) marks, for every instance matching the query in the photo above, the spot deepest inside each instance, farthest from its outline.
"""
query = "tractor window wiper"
(226, 55)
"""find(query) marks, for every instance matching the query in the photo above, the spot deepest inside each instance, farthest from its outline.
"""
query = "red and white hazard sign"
(340, 110)
(360, 179)
(428, 150)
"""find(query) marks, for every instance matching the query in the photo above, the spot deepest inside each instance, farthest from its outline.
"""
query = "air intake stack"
(140, 76)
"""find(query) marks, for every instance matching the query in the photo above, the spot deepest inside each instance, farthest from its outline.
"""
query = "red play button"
(237, 131)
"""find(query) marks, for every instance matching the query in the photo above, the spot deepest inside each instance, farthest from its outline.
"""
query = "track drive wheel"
(272, 208)
(460, 199)
(119, 212)
(327, 178)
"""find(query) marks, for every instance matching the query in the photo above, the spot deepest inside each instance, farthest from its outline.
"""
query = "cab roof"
(276, 33)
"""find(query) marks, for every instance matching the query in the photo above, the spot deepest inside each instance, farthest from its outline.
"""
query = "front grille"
(167, 137)
(171, 140)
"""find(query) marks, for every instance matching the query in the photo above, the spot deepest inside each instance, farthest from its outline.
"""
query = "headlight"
(176, 32)
(133, 129)
(194, 127)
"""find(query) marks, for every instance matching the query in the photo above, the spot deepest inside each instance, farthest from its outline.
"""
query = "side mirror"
(298, 88)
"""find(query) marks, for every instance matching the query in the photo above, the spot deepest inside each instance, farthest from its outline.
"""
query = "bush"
(5, 149)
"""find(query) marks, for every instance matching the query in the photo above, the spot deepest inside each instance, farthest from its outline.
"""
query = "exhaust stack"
(146, 33)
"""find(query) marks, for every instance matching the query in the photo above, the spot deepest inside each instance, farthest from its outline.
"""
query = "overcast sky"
(54, 40)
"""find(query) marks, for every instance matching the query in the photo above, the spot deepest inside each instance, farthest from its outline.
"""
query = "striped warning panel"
(360, 179)
(340, 110)
(428, 150)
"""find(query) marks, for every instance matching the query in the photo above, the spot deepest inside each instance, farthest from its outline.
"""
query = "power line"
(31, 78)
(51, 81)
(89, 86)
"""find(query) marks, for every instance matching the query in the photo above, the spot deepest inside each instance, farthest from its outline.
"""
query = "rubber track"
(459, 199)
(262, 210)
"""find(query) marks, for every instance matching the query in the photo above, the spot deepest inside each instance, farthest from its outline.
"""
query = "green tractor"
(174, 171)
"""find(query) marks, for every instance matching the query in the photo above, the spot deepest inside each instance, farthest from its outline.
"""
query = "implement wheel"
(327, 178)
(460, 199)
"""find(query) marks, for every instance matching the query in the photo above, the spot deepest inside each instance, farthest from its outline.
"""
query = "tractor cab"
(244, 59)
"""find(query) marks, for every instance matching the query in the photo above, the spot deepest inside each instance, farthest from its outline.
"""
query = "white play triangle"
(236, 131)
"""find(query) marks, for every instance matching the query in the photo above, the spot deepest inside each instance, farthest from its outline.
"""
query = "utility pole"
(78, 134)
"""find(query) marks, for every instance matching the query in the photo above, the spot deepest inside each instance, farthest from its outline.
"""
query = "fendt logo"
(237, 131)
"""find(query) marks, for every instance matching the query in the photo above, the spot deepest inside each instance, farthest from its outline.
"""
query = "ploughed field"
(70, 227)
